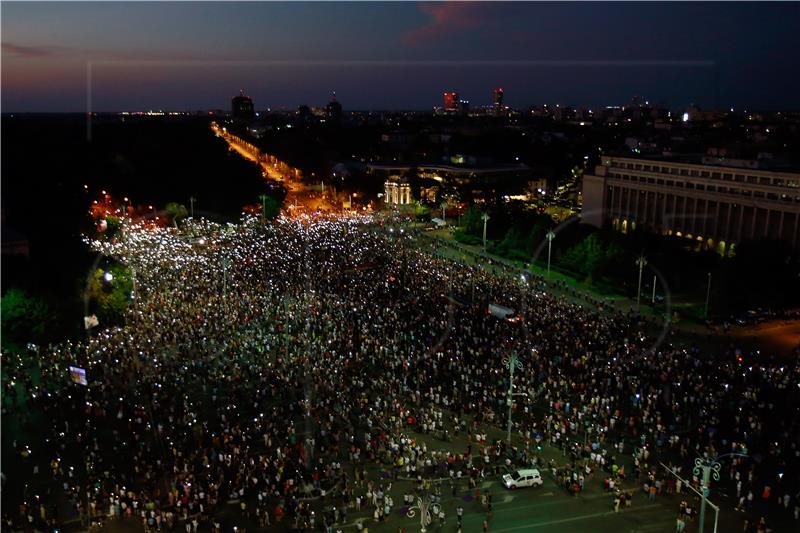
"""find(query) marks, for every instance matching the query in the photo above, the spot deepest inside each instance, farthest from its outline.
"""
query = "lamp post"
(512, 362)
(708, 295)
(653, 299)
(444, 208)
(424, 505)
(688, 485)
(191, 206)
(264, 205)
(485, 218)
(641, 262)
(709, 466)
(550, 236)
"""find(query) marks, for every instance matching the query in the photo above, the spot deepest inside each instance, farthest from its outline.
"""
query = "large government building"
(714, 206)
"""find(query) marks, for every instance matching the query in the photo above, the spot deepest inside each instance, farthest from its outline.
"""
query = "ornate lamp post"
(512, 362)
(709, 466)
(424, 506)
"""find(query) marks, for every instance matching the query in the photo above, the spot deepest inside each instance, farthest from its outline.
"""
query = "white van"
(522, 478)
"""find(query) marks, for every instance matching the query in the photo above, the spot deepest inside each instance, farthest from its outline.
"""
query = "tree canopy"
(24, 317)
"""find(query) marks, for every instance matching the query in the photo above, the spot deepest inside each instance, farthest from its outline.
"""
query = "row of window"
(709, 188)
(727, 176)
(618, 191)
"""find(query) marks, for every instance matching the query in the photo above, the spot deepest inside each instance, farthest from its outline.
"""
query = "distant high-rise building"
(334, 109)
(242, 107)
(497, 100)
(451, 101)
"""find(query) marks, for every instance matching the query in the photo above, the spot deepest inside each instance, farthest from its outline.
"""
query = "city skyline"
(75, 57)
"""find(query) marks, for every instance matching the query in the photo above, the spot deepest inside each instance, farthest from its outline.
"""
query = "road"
(252, 153)
(299, 198)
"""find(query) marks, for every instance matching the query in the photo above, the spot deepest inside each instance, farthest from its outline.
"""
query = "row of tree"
(762, 273)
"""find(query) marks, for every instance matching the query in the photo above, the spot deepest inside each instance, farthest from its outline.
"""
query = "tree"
(536, 235)
(110, 295)
(24, 317)
(175, 212)
(472, 221)
(587, 257)
(763, 273)
(270, 206)
(514, 239)
(113, 225)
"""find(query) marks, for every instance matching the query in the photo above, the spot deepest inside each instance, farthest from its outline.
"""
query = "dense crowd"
(262, 364)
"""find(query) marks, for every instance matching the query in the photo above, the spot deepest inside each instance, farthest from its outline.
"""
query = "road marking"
(574, 519)
(561, 501)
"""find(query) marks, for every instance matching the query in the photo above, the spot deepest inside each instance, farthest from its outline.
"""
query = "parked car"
(522, 478)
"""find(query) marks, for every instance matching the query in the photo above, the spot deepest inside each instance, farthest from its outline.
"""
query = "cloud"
(446, 19)
(29, 51)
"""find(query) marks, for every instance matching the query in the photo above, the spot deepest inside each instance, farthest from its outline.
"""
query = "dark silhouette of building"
(334, 108)
(497, 100)
(242, 108)
(305, 115)
(451, 101)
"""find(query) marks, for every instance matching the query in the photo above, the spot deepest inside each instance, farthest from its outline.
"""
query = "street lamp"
(641, 262)
(550, 236)
(653, 299)
(191, 206)
(424, 505)
(485, 218)
(512, 362)
(444, 207)
(708, 295)
(709, 466)
(264, 205)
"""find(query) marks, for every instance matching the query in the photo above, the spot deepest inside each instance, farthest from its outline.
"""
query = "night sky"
(187, 56)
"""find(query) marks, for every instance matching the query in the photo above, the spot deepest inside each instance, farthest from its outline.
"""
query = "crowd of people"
(260, 365)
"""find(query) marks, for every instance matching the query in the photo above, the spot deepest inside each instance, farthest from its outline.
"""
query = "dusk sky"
(186, 56)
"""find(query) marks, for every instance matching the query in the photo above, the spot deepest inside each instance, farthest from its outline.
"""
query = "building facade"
(714, 206)
(396, 191)
(497, 101)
